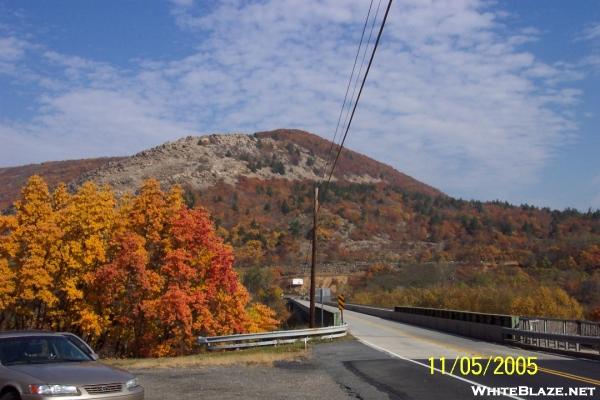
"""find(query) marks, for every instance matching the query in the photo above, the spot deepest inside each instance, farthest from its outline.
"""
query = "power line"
(348, 87)
(350, 79)
(360, 91)
(316, 195)
(362, 63)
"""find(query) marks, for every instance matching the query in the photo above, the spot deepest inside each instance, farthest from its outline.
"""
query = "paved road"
(406, 374)
(385, 360)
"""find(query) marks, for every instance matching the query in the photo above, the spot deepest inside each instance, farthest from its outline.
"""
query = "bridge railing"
(509, 321)
(554, 341)
(324, 316)
(560, 326)
(559, 335)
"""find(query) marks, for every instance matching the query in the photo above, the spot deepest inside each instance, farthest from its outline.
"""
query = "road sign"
(341, 305)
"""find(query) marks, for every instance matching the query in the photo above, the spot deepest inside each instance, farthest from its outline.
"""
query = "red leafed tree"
(123, 289)
(211, 275)
(201, 292)
(171, 278)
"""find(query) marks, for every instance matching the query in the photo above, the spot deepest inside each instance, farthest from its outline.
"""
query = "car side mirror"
(95, 356)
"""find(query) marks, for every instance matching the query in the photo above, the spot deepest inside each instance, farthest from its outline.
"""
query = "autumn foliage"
(362, 224)
(501, 290)
(142, 275)
(540, 301)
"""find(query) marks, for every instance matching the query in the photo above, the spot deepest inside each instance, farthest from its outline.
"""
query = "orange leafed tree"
(143, 275)
(261, 318)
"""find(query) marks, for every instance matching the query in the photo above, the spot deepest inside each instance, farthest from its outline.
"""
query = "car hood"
(73, 373)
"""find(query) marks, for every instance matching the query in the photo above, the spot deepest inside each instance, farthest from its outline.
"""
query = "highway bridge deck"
(404, 372)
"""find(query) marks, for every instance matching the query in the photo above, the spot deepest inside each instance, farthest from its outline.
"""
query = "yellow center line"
(470, 352)
(570, 376)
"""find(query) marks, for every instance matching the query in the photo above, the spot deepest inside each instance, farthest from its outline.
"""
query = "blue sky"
(484, 100)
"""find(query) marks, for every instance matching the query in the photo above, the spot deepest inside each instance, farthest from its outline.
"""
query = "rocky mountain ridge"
(200, 162)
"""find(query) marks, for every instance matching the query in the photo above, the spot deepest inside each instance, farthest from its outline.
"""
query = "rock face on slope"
(200, 162)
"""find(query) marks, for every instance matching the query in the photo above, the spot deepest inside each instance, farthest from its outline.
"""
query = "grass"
(261, 355)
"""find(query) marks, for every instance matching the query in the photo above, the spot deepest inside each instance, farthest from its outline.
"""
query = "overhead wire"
(362, 63)
(343, 107)
(349, 122)
(387, 11)
(356, 80)
(348, 89)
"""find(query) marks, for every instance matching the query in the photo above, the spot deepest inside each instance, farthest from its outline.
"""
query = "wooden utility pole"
(314, 260)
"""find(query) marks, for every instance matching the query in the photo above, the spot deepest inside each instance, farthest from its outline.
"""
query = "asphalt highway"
(406, 371)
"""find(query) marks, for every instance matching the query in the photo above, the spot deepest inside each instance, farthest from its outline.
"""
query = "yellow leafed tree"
(7, 285)
(86, 220)
(261, 318)
(33, 245)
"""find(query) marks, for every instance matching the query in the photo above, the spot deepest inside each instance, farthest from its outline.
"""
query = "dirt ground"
(319, 373)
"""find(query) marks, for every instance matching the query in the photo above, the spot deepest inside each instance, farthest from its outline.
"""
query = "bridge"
(404, 369)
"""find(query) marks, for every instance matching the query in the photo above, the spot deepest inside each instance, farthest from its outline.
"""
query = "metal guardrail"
(325, 316)
(560, 326)
(553, 340)
(271, 338)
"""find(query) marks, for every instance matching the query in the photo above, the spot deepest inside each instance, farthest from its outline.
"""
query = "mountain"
(259, 188)
(198, 163)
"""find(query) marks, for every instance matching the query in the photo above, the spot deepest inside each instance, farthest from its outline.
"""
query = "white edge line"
(460, 378)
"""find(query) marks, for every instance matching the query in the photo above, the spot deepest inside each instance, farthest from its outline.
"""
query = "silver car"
(44, 365)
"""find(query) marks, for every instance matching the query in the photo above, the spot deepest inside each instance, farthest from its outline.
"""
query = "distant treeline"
(268, 223)
(499, 289)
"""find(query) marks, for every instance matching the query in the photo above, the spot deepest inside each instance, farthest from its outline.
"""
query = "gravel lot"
(322, 375)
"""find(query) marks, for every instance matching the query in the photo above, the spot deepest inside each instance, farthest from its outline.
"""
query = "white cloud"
(183, 3)
(451, 98)
(12, 50)
(591, 35)
(592, 32)
(592, 60)
(87, 123)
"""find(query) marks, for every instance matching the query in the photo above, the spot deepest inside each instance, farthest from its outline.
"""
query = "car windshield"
(39, 350)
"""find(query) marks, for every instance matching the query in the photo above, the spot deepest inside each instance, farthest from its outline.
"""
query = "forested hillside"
(258, 189)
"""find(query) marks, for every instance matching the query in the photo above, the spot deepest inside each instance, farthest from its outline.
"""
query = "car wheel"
(10, 396)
